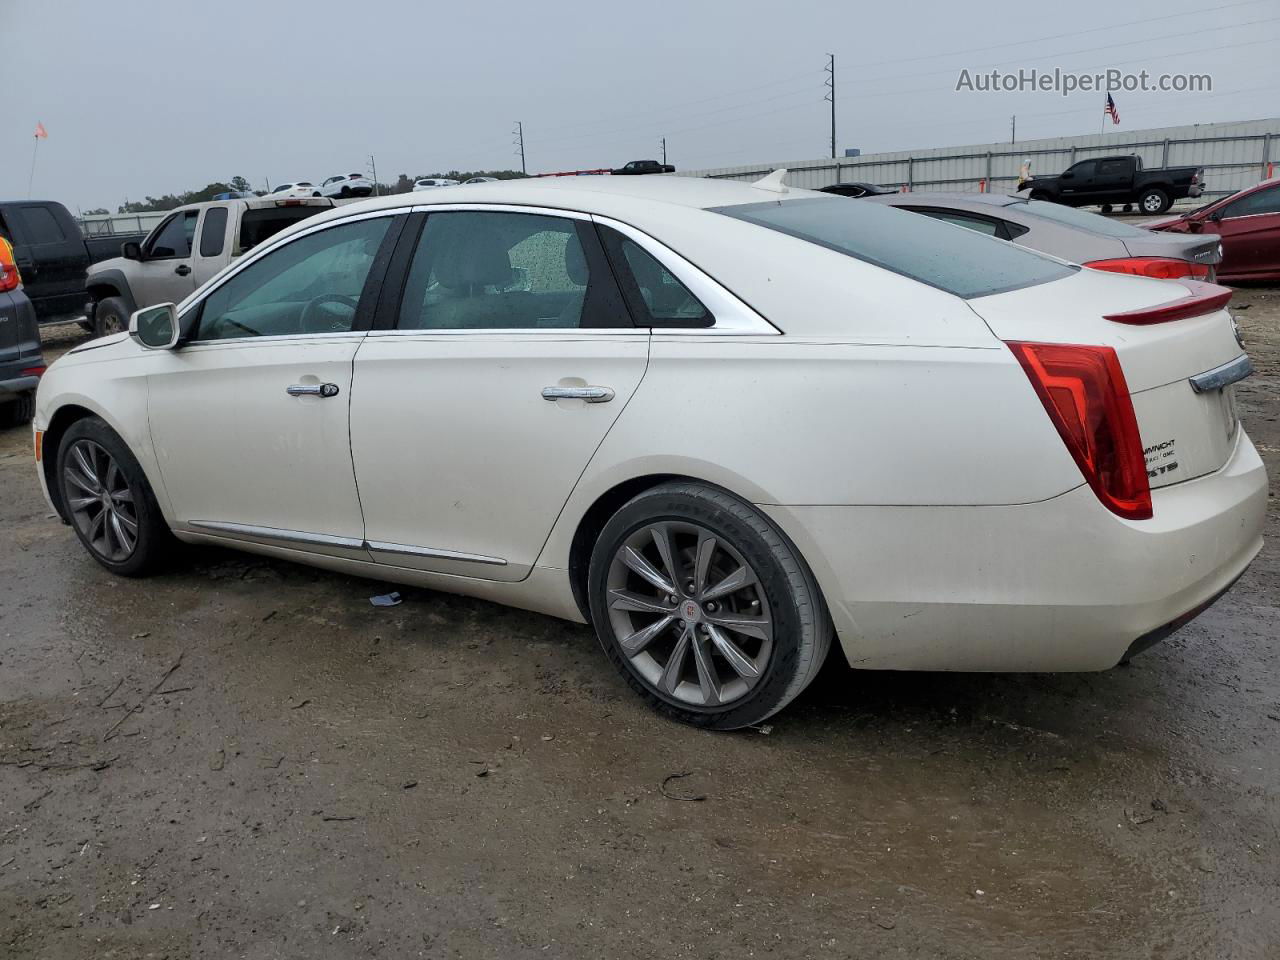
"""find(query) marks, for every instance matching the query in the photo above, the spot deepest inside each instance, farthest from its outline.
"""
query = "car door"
(51, 257)
(211, 252)
(1077, 180)
(509, 355)
(249, 416)
(1114, 180)
(165, 274)
(1250, 232)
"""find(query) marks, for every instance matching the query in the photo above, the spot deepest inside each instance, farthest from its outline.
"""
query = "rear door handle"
(324, 390)
(589, 394)
(182, 270)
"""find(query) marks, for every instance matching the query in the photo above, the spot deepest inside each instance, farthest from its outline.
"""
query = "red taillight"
(1085, 394)
(1162, 268)
(10, 278)
(33, 371)
(1205, 298)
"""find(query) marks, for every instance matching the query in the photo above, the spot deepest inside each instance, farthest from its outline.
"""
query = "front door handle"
(589, 394)
(324, 390)
(182, 270)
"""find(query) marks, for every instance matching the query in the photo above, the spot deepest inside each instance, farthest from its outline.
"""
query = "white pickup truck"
(183, 251)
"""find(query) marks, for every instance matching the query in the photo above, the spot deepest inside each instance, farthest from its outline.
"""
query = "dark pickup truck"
(1112, 180)
(53, 255)
(636, 167)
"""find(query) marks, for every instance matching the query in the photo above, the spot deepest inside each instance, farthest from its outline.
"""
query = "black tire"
(800, 624)
(1106, 208)
(110, 316)
(344, 192)
(18, 411)
(152, 538)
(316, 194)
(1153, 201)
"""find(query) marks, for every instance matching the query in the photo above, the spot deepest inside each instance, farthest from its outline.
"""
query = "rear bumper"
(1059, 585)
(15, 385)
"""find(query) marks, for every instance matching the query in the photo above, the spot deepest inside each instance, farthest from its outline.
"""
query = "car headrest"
(575, 262)
(477, 260)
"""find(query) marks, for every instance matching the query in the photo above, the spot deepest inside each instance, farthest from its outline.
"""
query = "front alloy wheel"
(107, 500)
(101, 502)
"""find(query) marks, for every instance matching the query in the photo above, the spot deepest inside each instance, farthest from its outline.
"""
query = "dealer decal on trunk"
(1160, 458)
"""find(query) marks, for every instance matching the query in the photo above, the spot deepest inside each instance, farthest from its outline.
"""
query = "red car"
(1248, 223)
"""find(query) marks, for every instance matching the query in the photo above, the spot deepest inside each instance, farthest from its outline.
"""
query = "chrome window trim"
(405, 550)
(501, 208)
(508, 333)
(733, 316)
(248, 259)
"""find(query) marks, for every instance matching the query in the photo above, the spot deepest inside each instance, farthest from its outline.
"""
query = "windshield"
(951, 258)
(1072, 217)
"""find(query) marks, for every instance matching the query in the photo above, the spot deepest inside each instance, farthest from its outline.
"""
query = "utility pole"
(664, 151)
(518, 132)
(373, 166)
(830, 68)
(1013, 129)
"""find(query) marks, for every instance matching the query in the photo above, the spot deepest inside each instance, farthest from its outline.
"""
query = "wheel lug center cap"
(691, 611)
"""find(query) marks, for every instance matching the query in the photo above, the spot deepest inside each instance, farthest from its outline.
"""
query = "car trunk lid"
(1185, 433)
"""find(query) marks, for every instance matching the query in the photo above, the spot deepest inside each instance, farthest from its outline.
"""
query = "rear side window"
(41, 226)
(263, 223)
(960, 262)
(214, 232)
(655, 296)
(477, 270)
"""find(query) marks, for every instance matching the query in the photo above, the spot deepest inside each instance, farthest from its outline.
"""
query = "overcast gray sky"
(158, 96)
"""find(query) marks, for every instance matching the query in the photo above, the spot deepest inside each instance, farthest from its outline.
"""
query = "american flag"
(1110, 110)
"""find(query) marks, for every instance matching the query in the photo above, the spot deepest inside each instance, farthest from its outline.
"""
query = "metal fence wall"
(107, 225)
(1234, 156)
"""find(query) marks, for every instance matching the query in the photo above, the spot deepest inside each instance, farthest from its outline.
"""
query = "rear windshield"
(1083, 219)
(951, 258)
(263, 223)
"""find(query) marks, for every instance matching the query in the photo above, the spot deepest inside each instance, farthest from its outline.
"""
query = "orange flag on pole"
(41, 133)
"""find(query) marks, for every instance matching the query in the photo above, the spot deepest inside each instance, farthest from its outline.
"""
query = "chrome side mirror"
(156, 328)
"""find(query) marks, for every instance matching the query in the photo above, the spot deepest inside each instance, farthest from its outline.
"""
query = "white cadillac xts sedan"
(724, 423)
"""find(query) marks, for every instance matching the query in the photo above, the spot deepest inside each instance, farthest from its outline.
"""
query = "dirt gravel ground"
(243, 758)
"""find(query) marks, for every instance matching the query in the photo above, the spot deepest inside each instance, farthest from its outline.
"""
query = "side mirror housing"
(131, 250)
(156, 328)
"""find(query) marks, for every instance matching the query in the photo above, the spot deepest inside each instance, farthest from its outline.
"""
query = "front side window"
(476, 270)
(214, 232)
(310, 285)
(1263, 201)
(960, 262)
(1084, 168)
(172, 239)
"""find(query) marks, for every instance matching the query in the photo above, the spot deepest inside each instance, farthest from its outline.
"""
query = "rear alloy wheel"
(1153, 201)
(705, 607)
(107, 499)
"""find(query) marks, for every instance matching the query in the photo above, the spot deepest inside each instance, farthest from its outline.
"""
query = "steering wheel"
(311, 316)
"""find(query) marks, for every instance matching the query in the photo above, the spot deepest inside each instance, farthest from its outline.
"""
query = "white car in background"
(430, 183)
(480, 180)
(724, 423)
(348, 185)
(303, 188)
